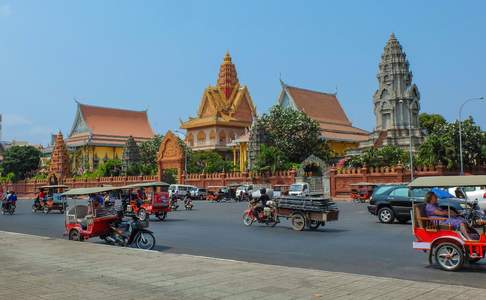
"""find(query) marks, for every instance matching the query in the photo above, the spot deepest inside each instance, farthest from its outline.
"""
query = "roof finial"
(227, 78)
(392, 36)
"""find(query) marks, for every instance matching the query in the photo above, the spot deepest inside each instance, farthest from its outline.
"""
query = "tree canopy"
(294, 134)
(207, 162)
(386, 156)
(21, 161)
(148, 154)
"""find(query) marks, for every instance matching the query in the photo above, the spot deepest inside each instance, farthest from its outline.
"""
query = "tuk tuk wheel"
(162, 216)
(386, 215)
(449, 256)
(46, 210)
(313, 225)
(298, 221)
(142, 214)
(74, 235)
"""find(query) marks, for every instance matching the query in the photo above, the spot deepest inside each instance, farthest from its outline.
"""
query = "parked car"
(198, 193)
(246, 188)
(473, 193)
(394, 201)
(299, 189)
(180, 190)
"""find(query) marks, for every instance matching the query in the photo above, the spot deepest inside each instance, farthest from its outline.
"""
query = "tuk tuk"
(446, 245)
(84, 221)
(217, 193)
(362, 191)
(52, 199)
(157, 203)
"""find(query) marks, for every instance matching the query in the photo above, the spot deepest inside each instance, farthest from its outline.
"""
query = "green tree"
(109, 168)
(271, 159)
(22, 161)
(384, 157)
(295, 134)
(148, 155)
(207, 162)
(431, 123)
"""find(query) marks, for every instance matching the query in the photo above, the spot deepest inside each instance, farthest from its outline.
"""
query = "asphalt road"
(356, 243)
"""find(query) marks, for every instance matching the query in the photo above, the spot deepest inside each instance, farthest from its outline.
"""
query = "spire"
(59, 158)
(227, 78)
(394, 68)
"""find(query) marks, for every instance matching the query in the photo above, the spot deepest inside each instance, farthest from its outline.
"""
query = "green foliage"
(431, 123)
(271, 159)
(22, 161)
(295, 134)
(386, 156)
(148, 155)
(10, 177)
(169, 176)
(109, 168)
(207, 162)
(442, 145)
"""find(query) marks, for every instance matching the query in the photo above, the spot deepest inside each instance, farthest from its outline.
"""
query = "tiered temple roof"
(325, 109)
(103, 126)
(59, 158)
(227, 103)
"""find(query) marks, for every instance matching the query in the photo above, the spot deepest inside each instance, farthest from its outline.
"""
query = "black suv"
(390, 202)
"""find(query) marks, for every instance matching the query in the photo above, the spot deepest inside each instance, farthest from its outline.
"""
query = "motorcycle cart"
(361, 191)
(53, 200)
(303, 212)
(217, 193)
(84, 221)
(449, 248)
(157, 202)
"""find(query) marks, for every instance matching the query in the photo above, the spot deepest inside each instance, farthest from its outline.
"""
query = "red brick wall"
(341, 179)
(28, 188)
(222, 179)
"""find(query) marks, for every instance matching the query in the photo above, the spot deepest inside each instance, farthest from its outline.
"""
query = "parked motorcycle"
(188, 203)
(266, 215)
(8, 208)
(131, 232)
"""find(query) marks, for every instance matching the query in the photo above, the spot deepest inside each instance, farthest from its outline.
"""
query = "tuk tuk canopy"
(448, 181)
(87, 191)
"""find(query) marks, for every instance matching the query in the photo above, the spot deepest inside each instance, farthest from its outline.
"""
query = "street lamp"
(410, 136)
(460, 129)
(185, 153)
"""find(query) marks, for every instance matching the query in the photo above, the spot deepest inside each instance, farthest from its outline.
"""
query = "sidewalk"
(44, 268)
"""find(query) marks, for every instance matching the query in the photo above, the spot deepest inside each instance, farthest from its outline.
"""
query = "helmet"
(263, 191)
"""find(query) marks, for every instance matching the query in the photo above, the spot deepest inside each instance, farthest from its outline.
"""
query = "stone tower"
(59, 165)
(396, 102)
(131, 155)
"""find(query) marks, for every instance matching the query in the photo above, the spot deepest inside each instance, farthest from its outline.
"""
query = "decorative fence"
(341, 179)
(222, 179)
(28, 188)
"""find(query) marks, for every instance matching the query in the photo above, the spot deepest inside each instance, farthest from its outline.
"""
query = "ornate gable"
(79, 125)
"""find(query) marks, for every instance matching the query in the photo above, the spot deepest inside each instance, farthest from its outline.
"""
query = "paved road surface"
(357, 243)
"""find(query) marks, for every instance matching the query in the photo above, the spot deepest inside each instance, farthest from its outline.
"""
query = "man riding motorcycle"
(10, 200)
(262, 203)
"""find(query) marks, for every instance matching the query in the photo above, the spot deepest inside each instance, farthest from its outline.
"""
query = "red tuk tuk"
(362, 191)
(94, 220)
(447, 246)
(157, 203)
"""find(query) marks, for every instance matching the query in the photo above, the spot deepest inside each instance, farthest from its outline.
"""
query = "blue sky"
(160, 55)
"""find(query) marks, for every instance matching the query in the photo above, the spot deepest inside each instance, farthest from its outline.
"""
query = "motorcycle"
(132, 232)
(473, 214)
(266, 215)
(173, 203)
(8, 208)
(188, 203)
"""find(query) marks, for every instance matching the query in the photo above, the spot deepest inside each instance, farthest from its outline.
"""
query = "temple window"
(222, 137)
(212, 135)
(201, 137)
(190, 139)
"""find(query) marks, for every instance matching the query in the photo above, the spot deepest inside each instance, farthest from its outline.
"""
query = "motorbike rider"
(140, 198)
(262, 203)
(11, 200)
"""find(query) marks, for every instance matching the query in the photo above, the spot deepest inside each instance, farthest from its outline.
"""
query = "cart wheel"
(46, 210)
(298, 222)
(313, 225)
(142, 214)
(162, 216)
(247, 220)
(386, 215)
(74, 235)
(449, 256)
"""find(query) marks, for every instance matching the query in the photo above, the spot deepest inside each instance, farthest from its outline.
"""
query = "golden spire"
(227, 78)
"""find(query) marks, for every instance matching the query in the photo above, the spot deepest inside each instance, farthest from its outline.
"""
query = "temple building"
(100, 133)
(225, 114)
(324, 108)
(396, 102)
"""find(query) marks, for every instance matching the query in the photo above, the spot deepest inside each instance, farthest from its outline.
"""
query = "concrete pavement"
(35, 267)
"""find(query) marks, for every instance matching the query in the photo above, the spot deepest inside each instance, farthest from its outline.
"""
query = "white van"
(180, 190)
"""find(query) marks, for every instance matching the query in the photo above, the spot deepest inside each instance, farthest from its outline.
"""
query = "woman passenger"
(456, 222)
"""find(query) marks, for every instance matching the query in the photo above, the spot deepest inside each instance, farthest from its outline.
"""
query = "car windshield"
(296, 187)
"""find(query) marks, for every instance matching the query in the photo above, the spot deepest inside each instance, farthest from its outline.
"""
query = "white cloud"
(5, 10)
(11, 120)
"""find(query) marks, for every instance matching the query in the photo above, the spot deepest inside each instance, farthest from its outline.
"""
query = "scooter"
(265, 215)
(131, 233)
(173, 203)
(8, 208)
(188, 203)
